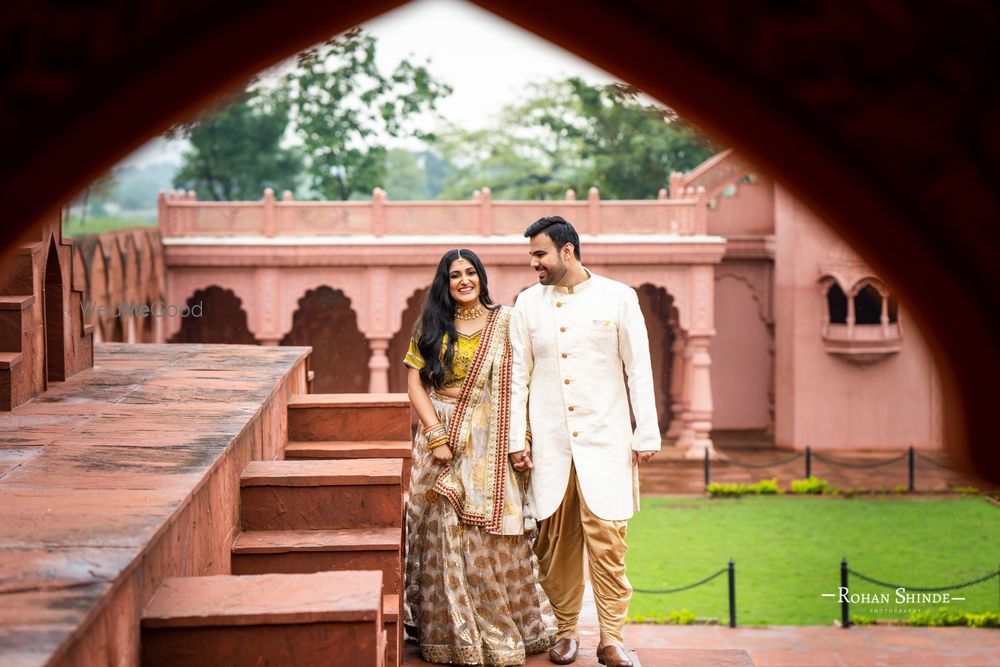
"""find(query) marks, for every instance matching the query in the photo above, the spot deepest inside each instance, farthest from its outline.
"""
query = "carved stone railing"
(862, 343)
(710, 177)
(181, 214)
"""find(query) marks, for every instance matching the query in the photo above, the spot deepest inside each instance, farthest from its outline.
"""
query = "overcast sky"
(485, 59)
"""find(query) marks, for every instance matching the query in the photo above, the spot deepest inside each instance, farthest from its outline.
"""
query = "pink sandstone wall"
(741, 360)
(823, 400)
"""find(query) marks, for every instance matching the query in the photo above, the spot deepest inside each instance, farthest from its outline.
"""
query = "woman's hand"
(442, 453)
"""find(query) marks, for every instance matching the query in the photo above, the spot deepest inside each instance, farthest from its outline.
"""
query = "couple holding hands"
(525, 456)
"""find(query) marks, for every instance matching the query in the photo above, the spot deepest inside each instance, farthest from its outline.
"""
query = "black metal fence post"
(910, 458)
(845, 615)
(706, 467)
(732, 593)
(809, 462)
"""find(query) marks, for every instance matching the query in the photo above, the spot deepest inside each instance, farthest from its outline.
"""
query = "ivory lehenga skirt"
(470, 597)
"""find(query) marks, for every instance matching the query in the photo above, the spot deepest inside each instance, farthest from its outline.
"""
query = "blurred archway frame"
(879, 116)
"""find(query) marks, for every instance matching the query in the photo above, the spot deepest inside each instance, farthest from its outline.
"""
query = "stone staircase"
(320, 545)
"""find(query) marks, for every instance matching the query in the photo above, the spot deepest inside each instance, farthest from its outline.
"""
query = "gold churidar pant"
(559, 547)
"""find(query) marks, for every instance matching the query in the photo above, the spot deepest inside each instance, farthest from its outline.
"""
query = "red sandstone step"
(348, 449)
(322, 495)
(392, 612)
(274, 619)
(16, 301)
(10, 359)
(350, 417)
(303, 551)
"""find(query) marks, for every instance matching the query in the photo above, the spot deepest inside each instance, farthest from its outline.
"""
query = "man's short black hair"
(557, 229)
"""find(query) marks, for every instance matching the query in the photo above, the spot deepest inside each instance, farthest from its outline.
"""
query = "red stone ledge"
(329, 472)
(349, 400)
(266, 599)
(347, 539)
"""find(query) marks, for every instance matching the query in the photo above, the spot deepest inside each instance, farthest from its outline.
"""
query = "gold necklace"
(468, 313)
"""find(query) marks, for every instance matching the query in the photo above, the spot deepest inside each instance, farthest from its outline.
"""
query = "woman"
(472, 594)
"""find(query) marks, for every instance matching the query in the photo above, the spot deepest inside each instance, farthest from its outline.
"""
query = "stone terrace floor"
(94, 468)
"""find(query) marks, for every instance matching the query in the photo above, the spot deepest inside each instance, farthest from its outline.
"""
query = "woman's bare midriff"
(451, 392)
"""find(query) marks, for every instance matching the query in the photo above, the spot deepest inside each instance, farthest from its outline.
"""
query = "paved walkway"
(784, 645)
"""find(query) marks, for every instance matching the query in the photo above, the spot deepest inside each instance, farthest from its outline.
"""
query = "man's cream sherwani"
(569, 348)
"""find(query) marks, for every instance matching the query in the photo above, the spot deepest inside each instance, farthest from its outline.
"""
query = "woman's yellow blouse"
(465, 349)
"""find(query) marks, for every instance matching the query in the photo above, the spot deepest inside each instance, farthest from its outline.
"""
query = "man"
(572, 334)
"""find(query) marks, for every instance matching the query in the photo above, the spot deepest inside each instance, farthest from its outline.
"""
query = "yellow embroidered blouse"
(465, 349)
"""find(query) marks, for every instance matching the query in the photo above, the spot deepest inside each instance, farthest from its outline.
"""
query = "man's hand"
(521, 461)
(442, 453)
(641, 457)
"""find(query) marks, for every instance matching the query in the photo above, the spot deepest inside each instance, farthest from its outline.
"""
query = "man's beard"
(551, 277)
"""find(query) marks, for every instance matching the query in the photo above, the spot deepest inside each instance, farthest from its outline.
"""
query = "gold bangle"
(437, 440)
(428, 429)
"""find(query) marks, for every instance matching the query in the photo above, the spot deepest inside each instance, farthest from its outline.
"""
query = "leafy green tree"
(344, 108)
(236, 150)
(572, 135)
(323, 123)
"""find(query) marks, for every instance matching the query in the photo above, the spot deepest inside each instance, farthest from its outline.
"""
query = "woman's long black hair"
(438, 317)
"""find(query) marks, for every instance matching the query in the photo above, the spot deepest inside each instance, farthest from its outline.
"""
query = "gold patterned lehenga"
(471, 580)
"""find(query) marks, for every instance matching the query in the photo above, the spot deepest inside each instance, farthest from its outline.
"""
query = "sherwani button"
(564, 355)
(576, 433)
(572, 408)
(558, 304)
(565, 381)
(562, 329)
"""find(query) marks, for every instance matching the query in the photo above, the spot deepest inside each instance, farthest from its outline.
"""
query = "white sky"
(486, 60)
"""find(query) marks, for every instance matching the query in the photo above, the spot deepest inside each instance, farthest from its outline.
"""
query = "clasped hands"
(521, 461)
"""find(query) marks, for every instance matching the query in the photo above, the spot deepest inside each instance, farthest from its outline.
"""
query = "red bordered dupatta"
(478, 431)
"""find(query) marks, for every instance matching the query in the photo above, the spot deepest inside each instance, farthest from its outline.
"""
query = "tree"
(344, 108)
(571, 135)
(332, 107)
(236, 150)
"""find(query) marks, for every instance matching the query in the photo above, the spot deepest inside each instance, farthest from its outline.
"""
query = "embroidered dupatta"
(478, 481)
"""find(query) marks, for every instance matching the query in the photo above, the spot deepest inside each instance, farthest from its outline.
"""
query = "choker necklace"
(468, 313)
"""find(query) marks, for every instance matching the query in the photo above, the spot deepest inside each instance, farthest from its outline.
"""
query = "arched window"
(861, 328)
(893, 310)
(836, 303)
(868, 306)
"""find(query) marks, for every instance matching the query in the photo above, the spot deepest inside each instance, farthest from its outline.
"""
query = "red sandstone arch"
(222, 319)
(80, 276)
(326, 321)
(111, 325)
(53, 311)
(130, 265)
(912, 191)
(97, 294)
(401, 340)
(660, 314)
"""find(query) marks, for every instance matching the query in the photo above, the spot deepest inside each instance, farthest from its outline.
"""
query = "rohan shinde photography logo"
(899, 596)
(158, 308)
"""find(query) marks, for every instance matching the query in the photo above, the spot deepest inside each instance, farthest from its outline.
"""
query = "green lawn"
(99, 225)
(788, 551)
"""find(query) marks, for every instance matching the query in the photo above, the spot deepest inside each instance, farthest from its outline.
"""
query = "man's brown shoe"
(563, 652)
(613, 656)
